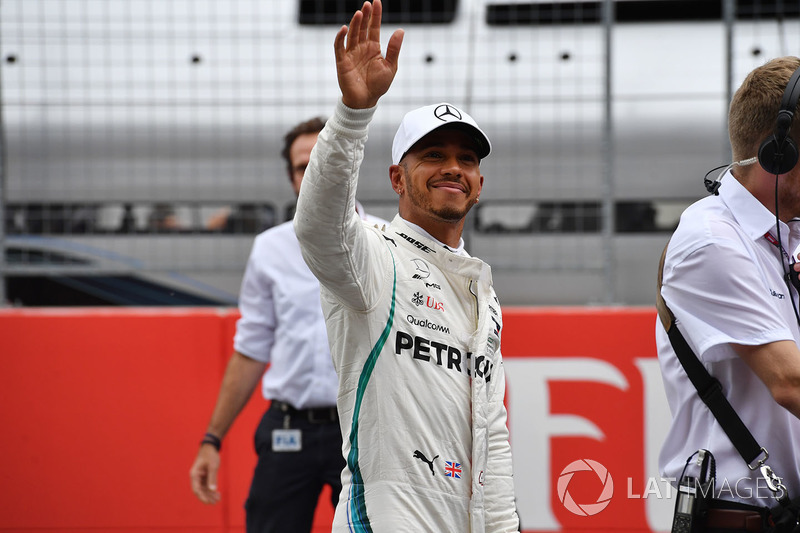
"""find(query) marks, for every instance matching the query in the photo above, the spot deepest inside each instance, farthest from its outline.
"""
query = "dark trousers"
(286, 485)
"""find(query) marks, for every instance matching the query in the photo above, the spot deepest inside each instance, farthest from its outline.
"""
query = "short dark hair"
(313, 125)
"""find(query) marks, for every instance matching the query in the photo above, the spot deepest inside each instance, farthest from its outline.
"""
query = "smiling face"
(438, 179)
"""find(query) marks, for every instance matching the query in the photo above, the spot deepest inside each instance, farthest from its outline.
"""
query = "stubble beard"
(450, 214)
(444, 213)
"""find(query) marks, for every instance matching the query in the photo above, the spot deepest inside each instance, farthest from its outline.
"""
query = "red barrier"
(587, 415)
(103, 411)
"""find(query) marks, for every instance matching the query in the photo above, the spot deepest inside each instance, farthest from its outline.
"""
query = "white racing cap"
(420, 122)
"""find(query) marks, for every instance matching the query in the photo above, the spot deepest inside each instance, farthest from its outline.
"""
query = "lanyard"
(792, 277)
(777, 245)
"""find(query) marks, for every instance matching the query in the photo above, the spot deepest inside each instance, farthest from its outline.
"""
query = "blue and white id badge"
(287, 440)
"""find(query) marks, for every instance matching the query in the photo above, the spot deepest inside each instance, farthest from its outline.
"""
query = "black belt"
(315, 415)
(734, 520)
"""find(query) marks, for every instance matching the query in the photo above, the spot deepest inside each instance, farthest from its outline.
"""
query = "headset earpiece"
(778, 154)
(776, 163)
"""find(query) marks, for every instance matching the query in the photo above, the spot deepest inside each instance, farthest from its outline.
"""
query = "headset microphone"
(712, 186)
(778, 154)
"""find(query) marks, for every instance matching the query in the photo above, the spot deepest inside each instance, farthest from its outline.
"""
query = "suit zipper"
(477, 307)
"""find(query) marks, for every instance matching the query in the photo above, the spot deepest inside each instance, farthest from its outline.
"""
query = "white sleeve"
(720, 295)
(255, 329)
(336, 245)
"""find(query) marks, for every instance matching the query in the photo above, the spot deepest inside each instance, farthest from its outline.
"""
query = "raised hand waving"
(364, 73)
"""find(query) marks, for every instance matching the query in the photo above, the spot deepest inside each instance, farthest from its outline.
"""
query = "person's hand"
(364, 74)
(204, 474)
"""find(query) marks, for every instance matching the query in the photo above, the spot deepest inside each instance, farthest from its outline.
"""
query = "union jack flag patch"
(452, 469)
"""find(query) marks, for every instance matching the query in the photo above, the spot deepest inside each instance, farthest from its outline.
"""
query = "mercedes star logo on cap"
(444, 111)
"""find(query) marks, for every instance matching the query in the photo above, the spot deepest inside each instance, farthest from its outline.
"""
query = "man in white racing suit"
(412, 319)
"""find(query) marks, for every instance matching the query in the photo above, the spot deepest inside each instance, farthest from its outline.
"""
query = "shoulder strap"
(708, 387)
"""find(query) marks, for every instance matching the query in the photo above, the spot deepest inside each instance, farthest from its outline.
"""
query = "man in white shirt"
(725, 281)
(298, 439)
(413, 320)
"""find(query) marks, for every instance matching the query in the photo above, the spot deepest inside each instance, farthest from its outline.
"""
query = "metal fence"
(141, 138)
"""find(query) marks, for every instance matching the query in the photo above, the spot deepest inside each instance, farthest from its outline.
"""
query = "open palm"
(364, 74)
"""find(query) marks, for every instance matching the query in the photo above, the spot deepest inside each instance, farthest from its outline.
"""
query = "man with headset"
(726, 281)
